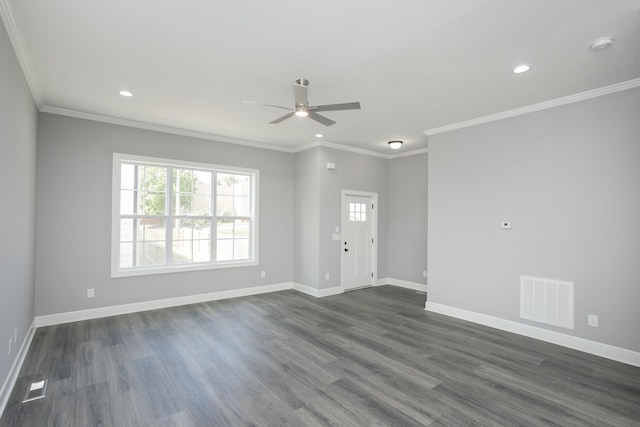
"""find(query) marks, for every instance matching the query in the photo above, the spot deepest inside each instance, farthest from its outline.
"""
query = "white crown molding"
(24, 59)
(12, 376)
(161, 128)
(581, 96)
(356, 150)
(409, 153)
(592, 347)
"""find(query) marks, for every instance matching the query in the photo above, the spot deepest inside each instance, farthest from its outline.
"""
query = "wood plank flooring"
(371, 357)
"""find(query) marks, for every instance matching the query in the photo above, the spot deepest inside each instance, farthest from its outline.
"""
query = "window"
(172, 216)
(357, 212)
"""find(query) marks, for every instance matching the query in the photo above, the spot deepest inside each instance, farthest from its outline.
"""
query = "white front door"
(358, 248)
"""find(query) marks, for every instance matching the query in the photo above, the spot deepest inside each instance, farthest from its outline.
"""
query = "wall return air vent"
(546, 301)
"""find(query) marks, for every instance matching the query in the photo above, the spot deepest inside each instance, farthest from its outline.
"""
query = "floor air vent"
(546, 301)
(36, 391)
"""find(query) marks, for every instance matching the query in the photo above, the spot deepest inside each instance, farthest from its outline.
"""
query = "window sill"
(115, 273)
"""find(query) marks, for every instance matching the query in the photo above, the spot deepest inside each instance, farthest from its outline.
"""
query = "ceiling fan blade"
(336, 107)
(283, 118)
(300, 93)
(321, 119)
(267, 105)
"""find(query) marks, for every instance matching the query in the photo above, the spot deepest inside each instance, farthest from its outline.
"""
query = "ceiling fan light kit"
(395, 145)
(303, 109)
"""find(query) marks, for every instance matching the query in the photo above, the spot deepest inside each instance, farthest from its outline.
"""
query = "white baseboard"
(95, 313)
(318, 293)
(12, 377)
(592, 347)
(402, 283)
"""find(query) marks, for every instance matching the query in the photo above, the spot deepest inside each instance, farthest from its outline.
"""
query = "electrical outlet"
(263, 274)
(326, 276)
(424, 273)
(91, 292)
(10, 344)
(593, 320)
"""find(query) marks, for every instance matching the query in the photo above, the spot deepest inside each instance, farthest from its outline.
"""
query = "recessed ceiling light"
(522, 69)
(395, 144)
(601, 43)
(125, 93)
(319, 135)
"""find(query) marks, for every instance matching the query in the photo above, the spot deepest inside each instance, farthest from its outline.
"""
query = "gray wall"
(407, 225)
(74, 215)
(568, 179)
(353, 172)
(306, 217)
(18, 117)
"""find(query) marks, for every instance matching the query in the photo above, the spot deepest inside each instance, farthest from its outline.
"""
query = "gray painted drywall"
(407, 225)
(306, 217)
(568, 180)
(18, 116)
(353, 172)
(74, 215)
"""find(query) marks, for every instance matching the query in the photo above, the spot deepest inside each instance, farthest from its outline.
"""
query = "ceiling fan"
(303, 109)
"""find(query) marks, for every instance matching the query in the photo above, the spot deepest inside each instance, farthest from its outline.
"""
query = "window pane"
(225, 184)
(126, 230)
(152, 186)
(127, 202)
(241, 206)
(150, 229)
(224, 250)
(224, 228)
(224, 205)
(126, 255)
(150, 253)
(241, 249)
(242, 185)
(191, 240)
(127, 176)
(241, 228)
(201, 204)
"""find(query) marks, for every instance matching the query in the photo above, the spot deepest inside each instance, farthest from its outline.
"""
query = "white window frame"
(119, 159)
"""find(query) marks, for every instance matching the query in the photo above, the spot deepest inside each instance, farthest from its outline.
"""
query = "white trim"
(96, 313)
(13, 30)
(162, 128)
(340, 147)
(318, 293)
(12, 376)
(409, 153)
(421, 287)
(587, 346)
(581, 96)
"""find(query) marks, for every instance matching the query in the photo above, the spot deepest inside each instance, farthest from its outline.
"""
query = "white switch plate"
(91, 292)
(326, 276)
(505, 225)
(593, 320)
(337, 230)
(263, 274)
(424, 273)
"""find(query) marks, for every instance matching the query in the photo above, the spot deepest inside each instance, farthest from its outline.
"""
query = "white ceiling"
(414, 65)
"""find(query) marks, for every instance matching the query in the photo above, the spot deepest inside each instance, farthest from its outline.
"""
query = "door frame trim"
(374, 230)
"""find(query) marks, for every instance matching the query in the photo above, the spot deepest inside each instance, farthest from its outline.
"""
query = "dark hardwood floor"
(371, 357)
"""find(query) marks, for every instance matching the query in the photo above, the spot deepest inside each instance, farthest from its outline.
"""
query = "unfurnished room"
(330, 213)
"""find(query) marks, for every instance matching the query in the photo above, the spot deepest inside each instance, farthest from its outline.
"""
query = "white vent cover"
(546, 301)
